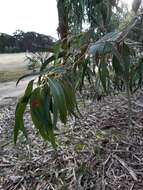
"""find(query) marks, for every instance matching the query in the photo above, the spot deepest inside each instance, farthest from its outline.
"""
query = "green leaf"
(104, 74)
(19, 123)
(59, 98)
(27, 75)
(55, 115)
(57, 69)
(126, 58)
(69, 96)
(117, 66)
(41, 116)
(28, 91)
(20, 109)
(116, 53)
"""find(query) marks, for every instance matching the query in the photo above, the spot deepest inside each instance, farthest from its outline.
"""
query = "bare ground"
(9, 90)
(12, 66)
(99, 151)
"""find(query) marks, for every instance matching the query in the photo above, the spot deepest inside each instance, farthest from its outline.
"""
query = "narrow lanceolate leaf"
(28, 91)
(19, 123)
(27, 75)
(104, 74)
(126, 57)
(55, 115)
(49, 124)
(117, 66)
(20, 109)
(69, 96)
(59, 98)
(41, 116)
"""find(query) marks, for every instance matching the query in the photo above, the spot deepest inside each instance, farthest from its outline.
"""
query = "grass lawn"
(6, 76)
(12, 66)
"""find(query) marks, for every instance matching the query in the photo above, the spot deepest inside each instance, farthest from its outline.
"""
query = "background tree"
(22, 42)
(7, 43)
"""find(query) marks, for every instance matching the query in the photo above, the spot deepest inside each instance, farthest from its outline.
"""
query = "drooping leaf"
(127, 58)
(104, 74)
(20, 109)
(117, 66)
(69, 96)
(41, 116)
(59, 98)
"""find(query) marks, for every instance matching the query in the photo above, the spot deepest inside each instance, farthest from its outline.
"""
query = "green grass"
(6, 76)
(12, 66)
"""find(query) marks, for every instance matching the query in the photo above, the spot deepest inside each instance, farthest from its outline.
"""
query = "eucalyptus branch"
(128, 29)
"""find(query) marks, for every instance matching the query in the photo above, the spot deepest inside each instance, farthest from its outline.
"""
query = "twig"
(136, 124)
(129, 28)
(6, 165)
(18, 183)
(5, 144)
(132, 186)
(129, 169)
(137, 104)
(103, 175)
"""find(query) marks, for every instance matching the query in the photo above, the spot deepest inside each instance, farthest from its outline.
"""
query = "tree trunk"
(63, 27)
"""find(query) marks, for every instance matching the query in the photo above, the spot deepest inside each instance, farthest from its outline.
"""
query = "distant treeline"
(22, 42)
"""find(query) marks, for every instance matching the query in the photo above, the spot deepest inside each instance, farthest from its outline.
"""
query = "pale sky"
(128, 2)
(30, 15)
